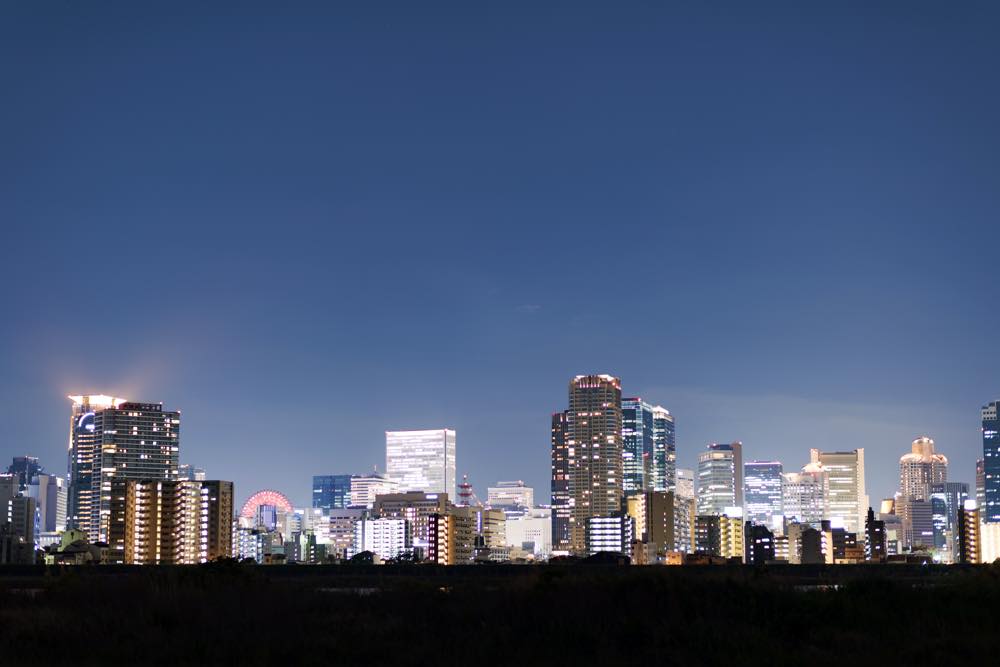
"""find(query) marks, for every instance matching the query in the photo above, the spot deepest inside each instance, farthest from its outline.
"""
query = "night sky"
(305, 226)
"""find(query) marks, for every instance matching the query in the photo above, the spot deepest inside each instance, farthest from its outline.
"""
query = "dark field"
(351, 615)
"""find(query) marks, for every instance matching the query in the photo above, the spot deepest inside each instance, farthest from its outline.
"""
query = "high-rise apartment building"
(637, 446)
(847, 500)
(422, 460)
(664, 450)
(969, 543)
(762, 492)
(452, 536)
(331, 491)
(170, 522)
(561, 507)
(387, 538)
(594, 447)
(991, 463)
(111, 440)
(720, 478)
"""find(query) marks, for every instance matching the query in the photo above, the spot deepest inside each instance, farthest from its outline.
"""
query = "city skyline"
(304, 497)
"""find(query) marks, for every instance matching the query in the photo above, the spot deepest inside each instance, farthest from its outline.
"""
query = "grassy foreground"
(242, 615)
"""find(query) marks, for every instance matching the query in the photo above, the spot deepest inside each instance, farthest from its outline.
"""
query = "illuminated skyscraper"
(331, 491)
(112, 439)
(762, 485)
(720, 478)
(805, 495)
(947, 499)
(561, 507)
(847, 500)
(637, 446)
(991, 463)
(594, 432)
(664, 450)
(422, 460)
(921, 468)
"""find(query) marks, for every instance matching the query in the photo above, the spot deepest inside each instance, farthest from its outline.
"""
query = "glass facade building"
(331, 491)
(637, 446)
(422, 460)
(762, 484)
(664, 450)
(947, 499)
(720, 478)
(990, 510)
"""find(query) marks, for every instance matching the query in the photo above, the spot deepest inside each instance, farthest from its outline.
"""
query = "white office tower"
(805, 495)
(847, 500)
(386, 538)
(422, 460)
(720, 478)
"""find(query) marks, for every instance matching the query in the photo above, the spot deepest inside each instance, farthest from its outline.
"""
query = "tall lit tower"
(561, 507)
(114, 439)
(847, 500)
(594, 429)
(920, 469)
(664, 450)
(990, 511)
(637, 446)
(720, 478)
(422, 460)
(762, 483)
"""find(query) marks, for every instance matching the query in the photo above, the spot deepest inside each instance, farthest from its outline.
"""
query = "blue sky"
(303, 226)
